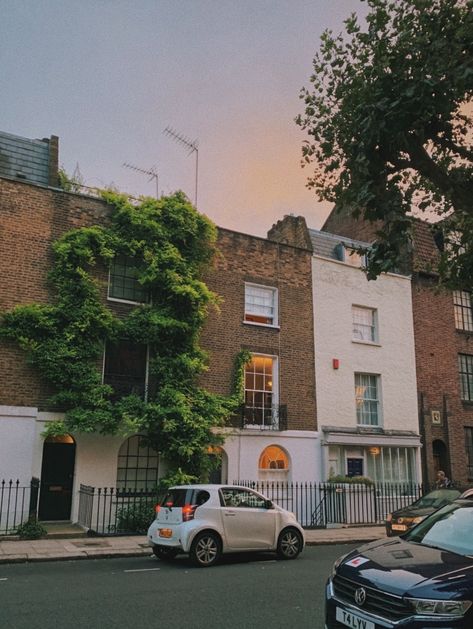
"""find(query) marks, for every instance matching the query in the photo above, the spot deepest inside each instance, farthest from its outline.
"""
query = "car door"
(248, 524)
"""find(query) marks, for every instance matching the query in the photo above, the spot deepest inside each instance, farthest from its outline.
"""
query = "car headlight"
(429, 607)
(418, 519)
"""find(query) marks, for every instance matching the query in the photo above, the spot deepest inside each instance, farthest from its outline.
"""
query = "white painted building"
(365, 367)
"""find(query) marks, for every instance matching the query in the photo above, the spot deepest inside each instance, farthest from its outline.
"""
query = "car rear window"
(174, 498)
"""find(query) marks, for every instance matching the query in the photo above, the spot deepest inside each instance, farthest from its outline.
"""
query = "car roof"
(209, 486)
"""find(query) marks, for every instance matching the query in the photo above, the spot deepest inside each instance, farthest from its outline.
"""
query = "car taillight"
(157, 508)
(188, 512)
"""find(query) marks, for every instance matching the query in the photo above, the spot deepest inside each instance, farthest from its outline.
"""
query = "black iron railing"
(268, 418)
(18, 503)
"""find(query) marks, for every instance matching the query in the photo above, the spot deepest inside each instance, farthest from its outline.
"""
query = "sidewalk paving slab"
(65, 549)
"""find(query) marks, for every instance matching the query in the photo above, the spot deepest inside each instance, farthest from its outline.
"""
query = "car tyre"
(206, 549)
(289, 544)
(164, 553)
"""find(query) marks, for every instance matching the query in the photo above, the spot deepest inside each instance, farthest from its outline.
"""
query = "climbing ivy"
(171, 244)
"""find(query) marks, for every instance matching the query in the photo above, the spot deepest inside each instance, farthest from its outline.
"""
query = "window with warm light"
(123, 282)
(260, 390)
(463, 311)
(364, 324)
(367, 399)
(273, 458)
(261, 304)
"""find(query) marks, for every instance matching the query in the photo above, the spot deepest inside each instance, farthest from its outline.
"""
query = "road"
(254, 592)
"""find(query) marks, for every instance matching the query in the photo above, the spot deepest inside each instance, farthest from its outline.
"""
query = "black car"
(420, 580)
(403, 519)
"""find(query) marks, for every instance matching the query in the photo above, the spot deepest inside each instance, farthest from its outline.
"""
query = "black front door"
(57, 475)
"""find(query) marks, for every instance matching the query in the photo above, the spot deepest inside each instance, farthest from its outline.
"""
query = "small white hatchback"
(205, 521)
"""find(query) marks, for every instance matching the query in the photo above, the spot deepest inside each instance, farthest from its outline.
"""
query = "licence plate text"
(352, 620)
(399, 527)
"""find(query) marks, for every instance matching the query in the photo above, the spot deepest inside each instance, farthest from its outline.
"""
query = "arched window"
(273, 458)
(138, 465)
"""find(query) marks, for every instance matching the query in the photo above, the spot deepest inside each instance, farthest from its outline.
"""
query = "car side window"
(242, 498)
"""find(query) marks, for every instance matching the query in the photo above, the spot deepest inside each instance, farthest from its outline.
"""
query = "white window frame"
(274, 389)
(374, 340)
(376, 400)
(275, 306)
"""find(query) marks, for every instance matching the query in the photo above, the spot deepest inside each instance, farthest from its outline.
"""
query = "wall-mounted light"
(374, 450)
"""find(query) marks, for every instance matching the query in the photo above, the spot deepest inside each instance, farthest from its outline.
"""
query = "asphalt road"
(254, 592)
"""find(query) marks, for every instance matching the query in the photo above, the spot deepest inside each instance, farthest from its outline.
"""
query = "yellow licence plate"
(165, 532)
(399, 527)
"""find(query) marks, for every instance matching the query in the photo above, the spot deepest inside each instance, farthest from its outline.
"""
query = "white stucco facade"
(389, 446)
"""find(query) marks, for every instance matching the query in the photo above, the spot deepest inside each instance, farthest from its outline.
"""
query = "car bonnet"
(399, 567)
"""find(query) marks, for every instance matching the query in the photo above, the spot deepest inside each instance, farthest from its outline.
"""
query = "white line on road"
(143, 570)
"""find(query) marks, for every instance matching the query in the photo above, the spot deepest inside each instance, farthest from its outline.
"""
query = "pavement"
(65, 546)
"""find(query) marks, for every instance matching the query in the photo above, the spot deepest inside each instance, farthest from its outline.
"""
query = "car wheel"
(289, 544)
(164, 553)
(206, 549)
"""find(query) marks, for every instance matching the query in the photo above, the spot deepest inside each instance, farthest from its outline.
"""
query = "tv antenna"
(152, 172)
(192, 146)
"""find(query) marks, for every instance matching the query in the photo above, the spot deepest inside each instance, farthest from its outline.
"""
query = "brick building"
(266, 309)
(443, 328)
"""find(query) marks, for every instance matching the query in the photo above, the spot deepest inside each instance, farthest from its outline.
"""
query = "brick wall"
(243, 259)
(32, 217)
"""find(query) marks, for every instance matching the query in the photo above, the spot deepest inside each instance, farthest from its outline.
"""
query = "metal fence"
(114, 511)
(318, 505)
(18, 502)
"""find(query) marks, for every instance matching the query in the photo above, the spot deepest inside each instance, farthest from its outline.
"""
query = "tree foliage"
(171, 244)
(389, 117)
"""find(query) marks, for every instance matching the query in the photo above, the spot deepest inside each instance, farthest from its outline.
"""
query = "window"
(463, 310)
(125, 368)
(260, 394)
(465, 367)
(242, 498)
(391, 464)
(123, 283)
(261, 304)
(138, 465)
(367, 401)
(364, 324)
(469, 451)
(273, 458)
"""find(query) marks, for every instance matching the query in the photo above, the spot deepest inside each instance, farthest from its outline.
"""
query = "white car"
(208, 520)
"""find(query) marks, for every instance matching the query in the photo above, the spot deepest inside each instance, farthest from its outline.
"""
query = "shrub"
(359, 480)
(135, 518)
(32, 529)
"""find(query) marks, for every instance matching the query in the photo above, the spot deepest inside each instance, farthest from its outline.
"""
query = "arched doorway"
(57, 475)
(439, 451)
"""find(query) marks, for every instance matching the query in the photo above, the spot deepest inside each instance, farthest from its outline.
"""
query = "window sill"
(262, 325)
(359, 342)
(464, 332)
(127, 301)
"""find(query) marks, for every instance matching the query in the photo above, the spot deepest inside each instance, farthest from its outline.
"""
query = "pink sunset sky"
(108, 76)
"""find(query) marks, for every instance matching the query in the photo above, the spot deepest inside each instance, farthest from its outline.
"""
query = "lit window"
(123, 282)
(364, 324)
(465, 368)
(138, 465)
(260, 394)
(273, 458)
(261, 304)
(367, 400)
(463, 310)
(125, 368)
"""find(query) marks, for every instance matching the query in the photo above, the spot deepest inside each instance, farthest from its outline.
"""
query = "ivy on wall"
(172, 244)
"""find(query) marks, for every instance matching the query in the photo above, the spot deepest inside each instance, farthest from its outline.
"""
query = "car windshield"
(450, 528)
(437, 498)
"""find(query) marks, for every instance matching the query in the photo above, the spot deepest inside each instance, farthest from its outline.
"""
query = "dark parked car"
(421, 580)
(403, 519)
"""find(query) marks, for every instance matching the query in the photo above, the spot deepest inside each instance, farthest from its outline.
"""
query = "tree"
(389, 115)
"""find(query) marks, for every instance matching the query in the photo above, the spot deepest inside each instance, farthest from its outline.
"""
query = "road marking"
(143, 570)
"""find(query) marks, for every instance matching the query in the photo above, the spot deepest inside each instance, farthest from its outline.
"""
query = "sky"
(109, 76)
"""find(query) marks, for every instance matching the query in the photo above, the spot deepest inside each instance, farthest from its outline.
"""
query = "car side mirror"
(268, 504)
